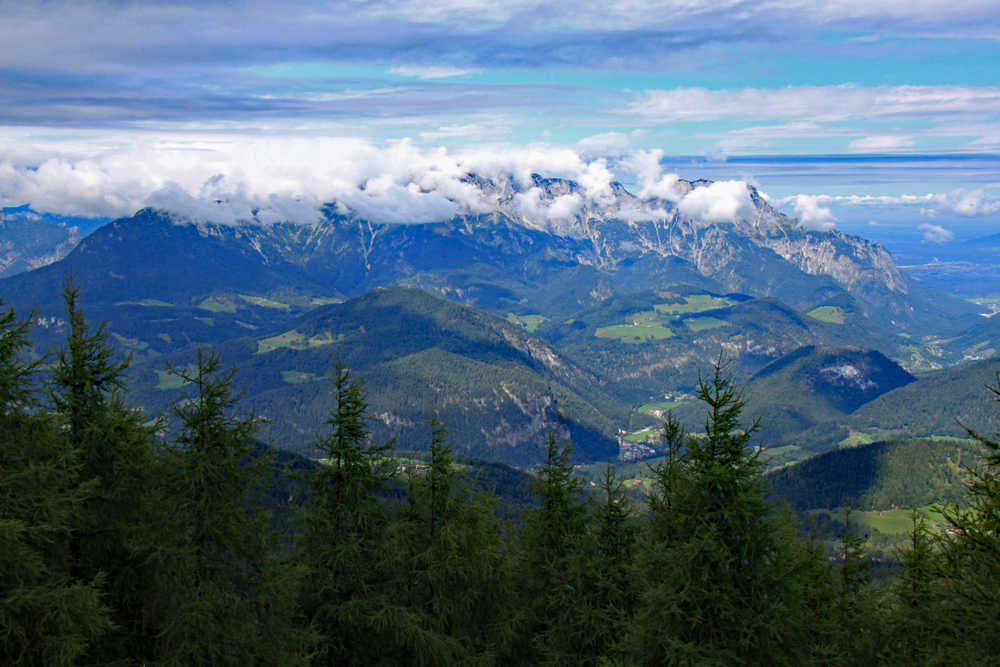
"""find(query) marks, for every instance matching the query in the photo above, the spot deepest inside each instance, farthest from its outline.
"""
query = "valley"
(595, 326)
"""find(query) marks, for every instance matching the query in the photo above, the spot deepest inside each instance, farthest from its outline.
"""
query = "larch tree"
(47, 615)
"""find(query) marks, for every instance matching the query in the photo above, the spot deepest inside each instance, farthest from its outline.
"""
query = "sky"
(860, 115)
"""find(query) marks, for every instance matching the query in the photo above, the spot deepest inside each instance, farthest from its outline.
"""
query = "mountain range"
(587, 314)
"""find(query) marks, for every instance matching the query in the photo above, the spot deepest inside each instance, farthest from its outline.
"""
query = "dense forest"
(181, 540)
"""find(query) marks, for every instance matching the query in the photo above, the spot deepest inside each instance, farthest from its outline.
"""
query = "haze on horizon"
(851, 114)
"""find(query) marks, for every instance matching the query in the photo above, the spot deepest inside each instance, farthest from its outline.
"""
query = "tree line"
(123, 544)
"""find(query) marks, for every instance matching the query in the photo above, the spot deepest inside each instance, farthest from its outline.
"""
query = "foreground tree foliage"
(129, 542)
(47, 615)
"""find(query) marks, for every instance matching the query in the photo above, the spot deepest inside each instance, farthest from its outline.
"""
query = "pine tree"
(343, 529)
(46, 616)
(225, 600)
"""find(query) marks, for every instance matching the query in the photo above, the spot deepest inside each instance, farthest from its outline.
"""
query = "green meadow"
(829, 314)
(529, 322)
(261, 301)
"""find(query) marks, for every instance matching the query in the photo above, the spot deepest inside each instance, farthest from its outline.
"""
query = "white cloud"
(881, 144)
(970, 204)
(724, 201)
(936, 233)
(433, 72)
(817, 104)
(812, 216)
(531, 205)
(649, 174)
(285, 178)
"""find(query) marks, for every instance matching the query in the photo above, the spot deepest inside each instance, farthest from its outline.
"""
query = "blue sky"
(857, 107)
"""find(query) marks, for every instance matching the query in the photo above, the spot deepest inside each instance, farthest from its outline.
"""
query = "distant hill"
(805, 399)
(881, 476)
(936, 404)
(28, 243)
(980, 341)
(499, 388)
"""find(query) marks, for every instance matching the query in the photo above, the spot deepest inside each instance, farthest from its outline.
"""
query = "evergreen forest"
(181, 539)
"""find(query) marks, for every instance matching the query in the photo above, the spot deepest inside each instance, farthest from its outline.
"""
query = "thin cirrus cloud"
(817, 104)
(970, 204)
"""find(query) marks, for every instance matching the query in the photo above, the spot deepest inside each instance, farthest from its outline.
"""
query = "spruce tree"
(453, 599)
(716, 569)
(343, 529)
(558, 556)
(47, 616)
(119, 463)
(225, 600)
(970, 562)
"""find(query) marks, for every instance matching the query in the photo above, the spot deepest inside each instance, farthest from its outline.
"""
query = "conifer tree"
(225, 600)
(970, 562)
(558, 557)
(716, 569)
(915, 616)
(454, 599)
(47, 617)
(343, 530)
(119, 463)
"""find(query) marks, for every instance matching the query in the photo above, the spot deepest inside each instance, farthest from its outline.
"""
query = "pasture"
(529, 322)
(828, 314)
(294, 340)
(697, 324)
(695, 303)
(264, 302)
(169, 380)
(217, 305)
(644, 326)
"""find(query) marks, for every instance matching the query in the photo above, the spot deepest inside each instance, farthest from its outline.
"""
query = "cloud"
(812, 216)
(724, 201)
(971, 204)
(648, 170)
(975, 203)
(936, 233)
(264, 180)
(880, 144)
(433, 72)
(531, 205)
(817, 104)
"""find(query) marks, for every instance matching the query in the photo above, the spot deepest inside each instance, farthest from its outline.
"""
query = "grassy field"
(696, 303)
(325, 301)
(299, 377)
(648, 325)
(829, 314)
(666, 405)
(169, 380)
(856, 438)
(216, 305)
(529, 322)
(293, 339)
(641, 436)
(146, 302)
(702, 323)
(131, 343)
(891, 521)
(207, 320)
(261, 301)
